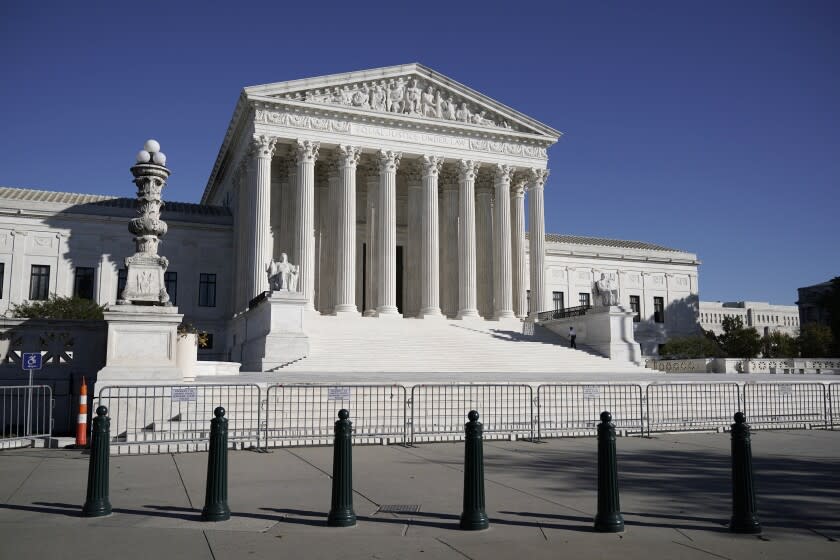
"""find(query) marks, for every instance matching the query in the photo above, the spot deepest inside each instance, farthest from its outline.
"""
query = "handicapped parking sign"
(31, 360)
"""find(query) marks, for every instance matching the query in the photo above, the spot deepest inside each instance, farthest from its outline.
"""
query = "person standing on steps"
(572, 337)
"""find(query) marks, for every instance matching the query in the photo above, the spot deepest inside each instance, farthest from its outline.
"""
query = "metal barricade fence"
(682, 407)
(162, 418)
(441, 410)
(25, 412)
(306, 414)
(834, 404)
(785, 405)
(574, 409)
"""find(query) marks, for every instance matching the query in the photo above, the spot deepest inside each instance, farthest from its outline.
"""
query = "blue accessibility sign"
(31, 360)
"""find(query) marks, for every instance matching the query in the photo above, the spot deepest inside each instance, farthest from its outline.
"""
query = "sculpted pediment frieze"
(409, 95)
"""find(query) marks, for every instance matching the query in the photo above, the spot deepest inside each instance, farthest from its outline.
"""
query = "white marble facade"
(399, 193)
(765, 317)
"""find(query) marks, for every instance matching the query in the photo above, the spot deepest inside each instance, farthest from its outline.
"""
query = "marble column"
(322, 192)
(389, 162)
(503, 298)
(517, 228)
(372, 183)
(241, 258)
(536, 245)
(345, 246)
(330, 238)
(484, 244)
(466, 239)
(429, 244)
(411, 276)
(260, 213)
(290, 211)
(449, 243)
(307, 153)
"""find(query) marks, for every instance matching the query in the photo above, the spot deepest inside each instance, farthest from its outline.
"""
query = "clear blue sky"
(706, 126)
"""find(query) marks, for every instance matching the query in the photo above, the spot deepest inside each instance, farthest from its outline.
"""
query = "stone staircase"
(441, 345)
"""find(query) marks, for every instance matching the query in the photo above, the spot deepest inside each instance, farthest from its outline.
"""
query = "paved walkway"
(540, 499)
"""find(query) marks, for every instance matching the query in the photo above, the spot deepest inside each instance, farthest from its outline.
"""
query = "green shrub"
(58, 308)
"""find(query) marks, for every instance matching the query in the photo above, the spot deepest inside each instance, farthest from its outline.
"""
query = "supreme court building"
(397, 191)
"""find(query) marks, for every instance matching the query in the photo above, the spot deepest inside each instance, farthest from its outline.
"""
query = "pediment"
(411, 90)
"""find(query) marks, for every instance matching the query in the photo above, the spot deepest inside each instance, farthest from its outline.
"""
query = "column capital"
(389, 160)
(467, 169)
(348, 156)
(263, 146)
(431, 165)
(307, 151)
(537, 178)
(503, 173)
(517, 187)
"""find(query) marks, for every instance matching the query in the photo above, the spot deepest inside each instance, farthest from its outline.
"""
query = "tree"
(738, 341)
(779, 345)
(815, 341)
(687, 347)
(58, 308)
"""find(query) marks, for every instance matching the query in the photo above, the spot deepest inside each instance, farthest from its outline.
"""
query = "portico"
(399, 192)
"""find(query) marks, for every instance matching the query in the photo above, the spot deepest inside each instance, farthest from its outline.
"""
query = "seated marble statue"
(605, 291)
(282, 275)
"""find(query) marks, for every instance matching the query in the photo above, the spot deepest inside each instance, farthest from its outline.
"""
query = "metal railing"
(441, 410)
(834, 404)
(680, 407)
(157, 416)
(563, 313)
(306, 414)
(785, 405)
(25, 412)
(564, 409)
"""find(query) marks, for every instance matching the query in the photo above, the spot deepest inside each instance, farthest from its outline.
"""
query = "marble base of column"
(388, 313)
(431, 313)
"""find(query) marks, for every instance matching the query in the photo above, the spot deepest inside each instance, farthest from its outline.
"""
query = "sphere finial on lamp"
(152, 146)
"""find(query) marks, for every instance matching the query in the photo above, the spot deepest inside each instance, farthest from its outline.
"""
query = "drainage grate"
(399, 508)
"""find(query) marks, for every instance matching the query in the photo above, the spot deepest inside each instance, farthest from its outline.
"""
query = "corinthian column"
(260, 210)
(372, 183)
(466, 239)
(503, 277)
(387, 233)
(517, 217)
(449, 243)
(413, 241)
(345, 247)
(429, 244)
(307, 153)
(484, 245)
(536, 246)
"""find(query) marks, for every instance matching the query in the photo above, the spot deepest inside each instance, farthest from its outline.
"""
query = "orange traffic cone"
(81, 424)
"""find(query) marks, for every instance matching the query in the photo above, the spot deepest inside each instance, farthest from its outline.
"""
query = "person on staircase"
(572, 337)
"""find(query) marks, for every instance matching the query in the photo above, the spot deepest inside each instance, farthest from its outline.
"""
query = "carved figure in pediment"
(336, 95)
(346, 96)
(464, 114)
(396, 96)
(412, 98)
(449, 109)
(360, 98)
(378, 97)
(431, 102)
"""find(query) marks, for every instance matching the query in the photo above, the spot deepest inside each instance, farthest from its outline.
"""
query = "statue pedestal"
(271, 331)
(142, 346)
(606, 330)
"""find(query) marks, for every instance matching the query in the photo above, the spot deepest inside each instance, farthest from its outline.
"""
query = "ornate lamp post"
(145, 275)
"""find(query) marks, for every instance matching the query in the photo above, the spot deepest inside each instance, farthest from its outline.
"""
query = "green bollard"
(473, 518)
(609, 518)
(744, 519)
(341, 512)
(97, 503)
(215, 502)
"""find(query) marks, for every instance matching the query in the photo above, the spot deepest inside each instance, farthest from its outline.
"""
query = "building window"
(122, 277)
(2, 277)
(206, 290)
(528, 297)
(636, 306)
(39, 282)
(170, 279)
(83, 282)
(658, 310)
(558, 300)
(583, 299)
